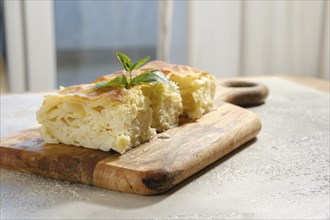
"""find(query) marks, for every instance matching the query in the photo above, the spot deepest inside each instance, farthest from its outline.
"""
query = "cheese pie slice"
(106, 119)
(117, 119)
(197, 87)
(166, 103)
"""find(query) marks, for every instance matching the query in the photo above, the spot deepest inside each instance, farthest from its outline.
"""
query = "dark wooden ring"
(244, 93)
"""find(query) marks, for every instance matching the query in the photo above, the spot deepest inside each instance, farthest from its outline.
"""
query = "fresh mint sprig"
(128, 65)
(148, 77)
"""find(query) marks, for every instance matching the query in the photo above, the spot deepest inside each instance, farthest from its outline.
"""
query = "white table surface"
(283, 174)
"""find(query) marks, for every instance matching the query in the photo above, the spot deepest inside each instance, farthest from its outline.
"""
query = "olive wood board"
(150, 168)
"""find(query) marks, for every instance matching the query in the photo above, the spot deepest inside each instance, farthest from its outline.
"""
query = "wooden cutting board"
(151, 168)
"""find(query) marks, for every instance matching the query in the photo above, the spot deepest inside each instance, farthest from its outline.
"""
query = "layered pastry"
(106, 119)
(79, 115)
(197, 87)
(165, 102)
(121, 117)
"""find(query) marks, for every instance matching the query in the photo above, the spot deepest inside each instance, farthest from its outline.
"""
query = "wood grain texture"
(156, 166)
(151, 168)
(27, 152)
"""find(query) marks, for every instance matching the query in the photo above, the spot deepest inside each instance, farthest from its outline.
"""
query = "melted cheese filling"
(197, 92)
(166, 106)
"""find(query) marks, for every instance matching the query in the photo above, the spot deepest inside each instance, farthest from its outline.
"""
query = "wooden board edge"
(156, 181)
(42, 163)
(56, 167)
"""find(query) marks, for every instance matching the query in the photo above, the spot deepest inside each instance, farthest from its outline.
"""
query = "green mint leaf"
(119, 81)
(152, 76)
(139, 63)
(148, 77)
(125, 61)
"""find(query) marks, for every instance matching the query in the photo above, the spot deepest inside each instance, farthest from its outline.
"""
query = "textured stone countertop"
(283, 174)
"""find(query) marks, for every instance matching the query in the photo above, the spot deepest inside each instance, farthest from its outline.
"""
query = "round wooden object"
(243, 93)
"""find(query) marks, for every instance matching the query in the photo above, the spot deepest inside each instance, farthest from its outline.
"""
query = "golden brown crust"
(87, 92)
(111, 76)
(169, 69)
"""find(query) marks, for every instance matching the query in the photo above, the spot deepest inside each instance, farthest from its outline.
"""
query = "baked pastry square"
(197, 87)
(165, 102)
(117, 119)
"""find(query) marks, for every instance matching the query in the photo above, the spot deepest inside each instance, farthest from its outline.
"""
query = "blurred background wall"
(88, 33)
(46, 44)
(260, 37)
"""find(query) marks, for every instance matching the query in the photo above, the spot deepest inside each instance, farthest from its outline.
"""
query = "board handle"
(243, 93)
